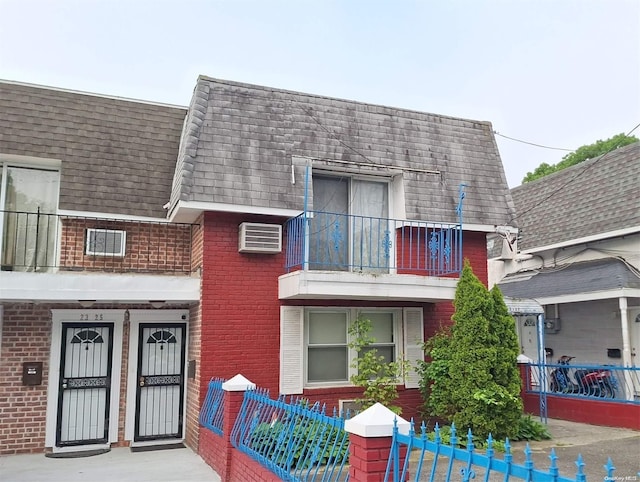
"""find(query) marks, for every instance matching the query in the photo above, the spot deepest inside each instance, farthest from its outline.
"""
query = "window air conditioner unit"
(260, 238)
(106, 242)
(552, 325)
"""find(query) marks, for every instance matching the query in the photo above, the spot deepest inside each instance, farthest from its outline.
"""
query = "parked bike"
(595, 382)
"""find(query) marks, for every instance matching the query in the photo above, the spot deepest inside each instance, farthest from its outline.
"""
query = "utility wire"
(533, 143)
(560, 188)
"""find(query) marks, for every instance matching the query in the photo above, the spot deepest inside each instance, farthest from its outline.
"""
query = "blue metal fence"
(212, 411)
(341, 242)
(451, 461)
(601, 382)
(294, 440)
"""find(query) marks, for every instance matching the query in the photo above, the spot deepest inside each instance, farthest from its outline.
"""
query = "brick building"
(287, 216)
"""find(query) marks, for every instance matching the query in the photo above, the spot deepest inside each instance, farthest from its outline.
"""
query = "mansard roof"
(247, 145)
(117, 155)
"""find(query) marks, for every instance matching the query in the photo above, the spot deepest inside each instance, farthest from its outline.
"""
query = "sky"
(557, 73)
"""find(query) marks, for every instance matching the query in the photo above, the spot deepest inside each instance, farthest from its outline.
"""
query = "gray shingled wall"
(118, 156)
(593, 197)
(239, 141)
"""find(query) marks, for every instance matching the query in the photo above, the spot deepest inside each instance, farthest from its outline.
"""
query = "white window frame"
(351, 177)
(408, 330)
(27, 162)
(352, 315)
(119, 254)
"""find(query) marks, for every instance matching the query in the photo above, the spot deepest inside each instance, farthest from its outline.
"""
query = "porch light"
(86, 303)
(157, 303)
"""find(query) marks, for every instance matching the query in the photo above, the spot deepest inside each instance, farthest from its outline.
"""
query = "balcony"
(341, 256)
(36, 242)
(58, 257)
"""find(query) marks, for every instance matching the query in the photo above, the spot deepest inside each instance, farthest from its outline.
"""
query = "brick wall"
(193, 388)
(241, 312)
(26, 336)
(240, 306)
(150, 247)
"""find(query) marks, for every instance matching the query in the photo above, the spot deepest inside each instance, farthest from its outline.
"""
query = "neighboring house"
(86, 254)
(295, 214)
(578, 255)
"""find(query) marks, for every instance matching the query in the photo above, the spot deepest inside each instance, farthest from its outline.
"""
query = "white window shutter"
(291, 350)
(413, 323)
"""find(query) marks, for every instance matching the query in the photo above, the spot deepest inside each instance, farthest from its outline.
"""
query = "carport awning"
(584, 277)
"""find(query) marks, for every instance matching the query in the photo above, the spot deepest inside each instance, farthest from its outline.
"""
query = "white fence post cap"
(376, 421)
(238, 384)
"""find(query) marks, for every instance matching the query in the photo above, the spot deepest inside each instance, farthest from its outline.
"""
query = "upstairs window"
(28, 203)
(349, 230)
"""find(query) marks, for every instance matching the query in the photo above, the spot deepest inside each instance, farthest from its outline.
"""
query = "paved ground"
(118, 465)
(570, 439)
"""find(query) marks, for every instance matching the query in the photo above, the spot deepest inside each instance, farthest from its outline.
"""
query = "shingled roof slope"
(118, 156)
(239, 140)
(594, 197)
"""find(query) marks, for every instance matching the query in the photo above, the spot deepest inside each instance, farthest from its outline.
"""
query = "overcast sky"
(559, 73)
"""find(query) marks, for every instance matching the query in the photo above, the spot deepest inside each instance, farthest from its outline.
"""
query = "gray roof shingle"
(594, 197)
(127, 147)
(583, 277)
(239, 141)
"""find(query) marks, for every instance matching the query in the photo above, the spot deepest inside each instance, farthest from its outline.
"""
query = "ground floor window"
(315, 352)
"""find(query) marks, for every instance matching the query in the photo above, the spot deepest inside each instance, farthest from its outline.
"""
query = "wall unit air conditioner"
(105, 242)
(260, 238)
(552, 325)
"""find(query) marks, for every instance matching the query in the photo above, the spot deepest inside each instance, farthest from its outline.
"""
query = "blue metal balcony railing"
(318, 240)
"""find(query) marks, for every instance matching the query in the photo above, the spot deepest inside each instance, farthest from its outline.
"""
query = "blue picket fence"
(212, 410)
(294, 440)
(450, 462)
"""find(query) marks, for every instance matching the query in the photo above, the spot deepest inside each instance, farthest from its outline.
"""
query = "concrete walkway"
(118, 465)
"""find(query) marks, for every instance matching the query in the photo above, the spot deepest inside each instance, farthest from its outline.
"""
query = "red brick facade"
(150, 247)
(241, 311)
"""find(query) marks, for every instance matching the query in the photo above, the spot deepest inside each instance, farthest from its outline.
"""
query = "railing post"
(233, 396)
(371, 435)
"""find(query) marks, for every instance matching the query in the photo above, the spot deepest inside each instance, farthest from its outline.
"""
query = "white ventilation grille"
(106, 242)
(260, 238)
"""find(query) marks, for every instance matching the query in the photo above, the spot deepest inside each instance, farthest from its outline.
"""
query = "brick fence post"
(370, 434)
(234, 389)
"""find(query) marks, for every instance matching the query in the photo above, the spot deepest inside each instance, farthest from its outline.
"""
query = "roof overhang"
(600, 279)
(332, 285)
(98, 288)
(189, 211)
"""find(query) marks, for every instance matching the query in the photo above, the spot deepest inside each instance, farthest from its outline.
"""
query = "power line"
(533, 143)
(553, 193)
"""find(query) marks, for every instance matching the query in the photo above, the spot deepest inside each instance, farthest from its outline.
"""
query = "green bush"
(472, 377)
(530, 429)
(378, 378)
